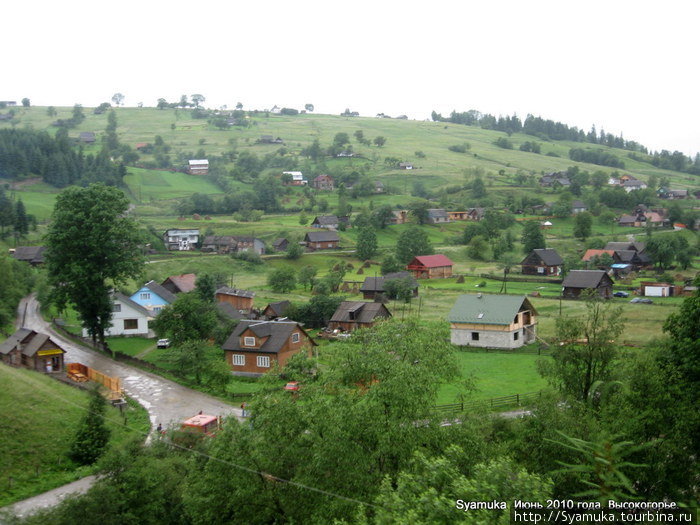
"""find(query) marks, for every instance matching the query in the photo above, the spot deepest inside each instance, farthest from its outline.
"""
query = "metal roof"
(488, 308)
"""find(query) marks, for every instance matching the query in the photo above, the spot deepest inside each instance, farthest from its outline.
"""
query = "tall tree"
(92, 435)
(189, 318)
(532, 237)
(21, 220)
(412, 242)
(583, 225)
(366, 244)
(92, 246)
(197, 99)
(118, 99)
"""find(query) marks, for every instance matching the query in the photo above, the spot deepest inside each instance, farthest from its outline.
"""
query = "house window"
(131, 324)
(116, 307)
(145, 296)
(295, 337)
(475, 336)
(540, 269)
(263, 361)
(238, 359)
(516, 336)
(157, 309)
(249, 341)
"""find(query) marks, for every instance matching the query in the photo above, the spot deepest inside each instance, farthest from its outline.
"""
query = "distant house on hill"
(331, 222)
(578, 206)
(280, 244)
(374, 286)
(34, 255)
(269, 139)
(182, 240)
(324, 183)
(198, 167)
(182, 283)
(405, 165)
(542, 261)
(437, 216)
(579, 281)
(87, 137)
(153, 297)
(33, 350)
(399, 217)
(232, 244)
(255, 346)
(492, 321)
(297, 178)
(239, 299)
(351, 315)
(430, 266)
(322, 240)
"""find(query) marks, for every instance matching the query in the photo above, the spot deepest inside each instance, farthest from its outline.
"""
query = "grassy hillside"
(39, 417)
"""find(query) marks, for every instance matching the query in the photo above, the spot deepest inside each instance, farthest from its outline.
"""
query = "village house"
(437, 216)
(578, 206)
(297, 178)
(128, 318)
(198, 167)
(374, 286)
(324, 183)
(87, 137)
(241, 300)
(255, 346)
(322, 240)
(269, 139)
(636, 260)
(593, 256)
(475, 214)
(580, 281)
(492, 321)
(182, 283)
(430, 266)
(399, 217)
(664, 193)
(33, 350)
(631, 185)
(330, 222)
(653, 289)
(405, 166)
(550, 180)
(280, 244)
(232, 244)
(351, 315)
(34, 255)
(542, 261)
(276, 310)
(379, 187)
(182, 240)
(153, 297)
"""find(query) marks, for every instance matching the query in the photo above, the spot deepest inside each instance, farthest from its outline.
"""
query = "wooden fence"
(515, 400)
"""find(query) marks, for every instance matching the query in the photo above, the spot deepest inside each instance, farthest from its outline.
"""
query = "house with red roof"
(430, 267)
(182, 283)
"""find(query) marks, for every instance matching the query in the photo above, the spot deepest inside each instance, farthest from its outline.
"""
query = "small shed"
(239, 299)
(198, 167)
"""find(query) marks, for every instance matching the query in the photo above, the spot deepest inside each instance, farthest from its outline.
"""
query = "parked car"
(163, 343)
(642, 300)
(621, 294)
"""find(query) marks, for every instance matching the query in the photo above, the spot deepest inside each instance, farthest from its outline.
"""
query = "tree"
(282, 280)
(307, 276)
(400, 289)
(390, 264)
(21, 220)
(118, 99)
(379, 141)
(586, 349)
(683, 328)
(412, 242)
(366, 244)
(92, 245)
(51, 111)
(206, 286)
(478, 248)
(25, 102)
(583, 225)
(294, 251)
(197, 99)
(308, 107)
(92, 435)
(189, 318)
(532, 238)
(478, 188)
(419, 211)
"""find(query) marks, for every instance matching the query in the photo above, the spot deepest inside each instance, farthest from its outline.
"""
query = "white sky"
(628, 67)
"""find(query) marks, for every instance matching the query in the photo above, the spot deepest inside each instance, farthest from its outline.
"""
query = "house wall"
(117, 325)
(239, 303)
(494, 338)
(575, 293)
(545, 270)
(250, 368)
(439, 272)
(326, 245)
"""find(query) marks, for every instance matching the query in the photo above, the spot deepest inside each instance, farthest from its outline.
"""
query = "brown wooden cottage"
(280, 244)
(255, 346)
(33, 350)
(578, 281)
(239, 299)
(276, 310)
(33, 255)
(430, 266)
(324, 183)
(321, 240)
(542, 262)
(351, 315)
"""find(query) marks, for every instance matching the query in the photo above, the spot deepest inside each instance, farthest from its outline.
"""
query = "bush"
(504, 143)
(460, 148)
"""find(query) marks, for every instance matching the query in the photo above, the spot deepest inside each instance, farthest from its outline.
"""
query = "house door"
(56, 364)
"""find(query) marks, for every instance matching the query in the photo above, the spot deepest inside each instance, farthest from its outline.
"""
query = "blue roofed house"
(492, 321)
(153, 297)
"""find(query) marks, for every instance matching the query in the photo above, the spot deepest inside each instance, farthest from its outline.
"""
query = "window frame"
(263, 361)
(134, 322)
(238, 359)
(247, 341)
(296, 337)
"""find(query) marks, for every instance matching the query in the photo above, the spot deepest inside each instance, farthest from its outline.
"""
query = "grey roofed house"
(437, 215)
(19, 339)
(579, 280)
(276, 332)
(280, 245)
(276, 309)
(488, 308)
(548, 256)
(31, 254)
(11, 342)
(628, 245)
(578, 206)
(322, 236)
(225, 290)
(375, 285)
(359, 312)
(161, 292)
(326, 221)
(87, 137)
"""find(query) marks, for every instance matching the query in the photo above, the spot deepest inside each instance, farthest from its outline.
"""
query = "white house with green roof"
(492, 321)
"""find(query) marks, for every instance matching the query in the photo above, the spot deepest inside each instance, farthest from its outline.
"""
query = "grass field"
(39, 417)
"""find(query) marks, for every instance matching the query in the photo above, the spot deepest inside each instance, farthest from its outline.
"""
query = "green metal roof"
(487, 309)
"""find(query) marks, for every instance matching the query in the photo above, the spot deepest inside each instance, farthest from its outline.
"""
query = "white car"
(163, 343)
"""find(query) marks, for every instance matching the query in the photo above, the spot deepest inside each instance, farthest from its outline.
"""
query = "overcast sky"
(628, 67)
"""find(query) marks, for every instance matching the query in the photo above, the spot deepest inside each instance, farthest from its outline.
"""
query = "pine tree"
(21, 221)
(366, 244)
(93, 435)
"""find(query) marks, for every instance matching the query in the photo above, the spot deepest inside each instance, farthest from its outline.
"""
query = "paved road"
(166, 402)
(48, 499)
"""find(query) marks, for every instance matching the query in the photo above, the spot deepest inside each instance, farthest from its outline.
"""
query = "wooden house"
(374, 286)
(255, 346)
(324, 183)
(198, 167)
(351, 315)
(399, 217)
(87, 137)
(239, 299)
(297, 178)
(438, 216)
(322, 240)
(492, 321)
(34, 255)
(33, 350)
(578, 206)
(330, 222)
(405, 166)
(232, 244)
(430, 267)
(458, 215)
(280, 245)
(542, 261)
(275, 310)
(182, 283)
(579, 281)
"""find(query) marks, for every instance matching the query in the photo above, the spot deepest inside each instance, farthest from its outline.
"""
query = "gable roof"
(185, 282)
(548, 256)
(228, 310)
(279, 242)
(11, 342)
(595, 253)
(585, 279)
(363, 312)
(437, 213)
(628, 245)
(326, 220)
(225, 290)
(276, 332)
(118, 296)
(431, 261)
(578, 204)
(161, 292)
(376, 284)
(278, 308)
(30, 254)
(322, 236)
(28, 340)
(488, 308)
